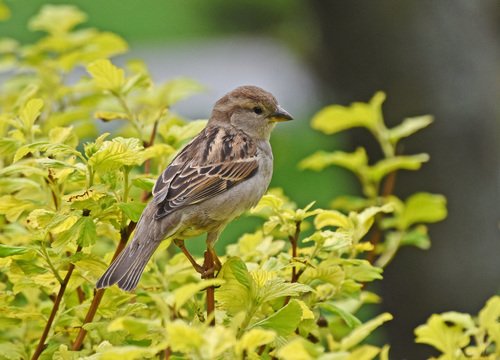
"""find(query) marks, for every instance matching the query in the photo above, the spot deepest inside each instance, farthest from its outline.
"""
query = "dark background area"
(430, 57)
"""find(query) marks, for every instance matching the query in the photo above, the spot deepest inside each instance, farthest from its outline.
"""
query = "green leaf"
(448, 338)
(299, 349)
(106, 75)
(336, 118)
(57, 19)
(331, 218)
(133, 210)
(144, 183)
(423, 208)
(13, 207)
(117, 153)
(6, 250)
(183, 337)
(386, 166)
(268, 287)
(284, 321)
(83, 232)
(364, 352)
(408, 127)
(356, 161)
(489, 319)
(30, 112)
(235, 294)
(361, 332)
(350, 320)
(417, 237)
(135, 326)
(188, 291)
(253, 339)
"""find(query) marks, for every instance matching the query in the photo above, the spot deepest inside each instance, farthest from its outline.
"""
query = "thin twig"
(294, 240)
(208, 266)
(41, 344)
(125, 234)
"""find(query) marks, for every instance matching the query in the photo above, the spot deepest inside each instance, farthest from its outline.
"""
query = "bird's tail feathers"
(127, 268)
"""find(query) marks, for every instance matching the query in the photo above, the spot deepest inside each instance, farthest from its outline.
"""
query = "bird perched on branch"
(220, 174)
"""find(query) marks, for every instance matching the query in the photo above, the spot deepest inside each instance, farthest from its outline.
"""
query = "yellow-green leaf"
(284, 321)
(448, 338)
(361, 332)
(355, 161)
(385, 166)
(30, 112)
(423, 208)
(57, 19)
(335, 118)
(253, 339)
(408, 127)
(110, 115)
(106, 75)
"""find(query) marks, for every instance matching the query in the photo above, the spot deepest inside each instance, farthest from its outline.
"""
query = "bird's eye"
(257, 110)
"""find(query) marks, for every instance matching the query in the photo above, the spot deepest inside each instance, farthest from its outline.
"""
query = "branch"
(208, 266)
(41, 344)
(125, 234)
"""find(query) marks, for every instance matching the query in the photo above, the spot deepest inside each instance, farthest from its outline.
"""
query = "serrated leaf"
(6, 250)
(30, 112)
(448, 338)
(235, 294)
(408, 127)
(12, 207)
(423, 208)
(268, 288)
(336, 118)
(83, 232)
(284, 321)
(361, 332)
(106, 75)
(117, 153)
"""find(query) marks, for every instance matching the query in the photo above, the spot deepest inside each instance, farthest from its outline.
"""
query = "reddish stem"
(41, 344)
(125, 234)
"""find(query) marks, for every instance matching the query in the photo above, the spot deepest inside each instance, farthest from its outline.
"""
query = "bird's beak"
(280, 115)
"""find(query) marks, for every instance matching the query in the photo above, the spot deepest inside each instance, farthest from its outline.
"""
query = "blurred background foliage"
(440, 58)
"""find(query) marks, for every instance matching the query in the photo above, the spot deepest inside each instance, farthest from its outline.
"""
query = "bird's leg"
(213, 263)
(180, 244)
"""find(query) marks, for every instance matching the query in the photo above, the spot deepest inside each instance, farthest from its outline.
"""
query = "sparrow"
(221, 173)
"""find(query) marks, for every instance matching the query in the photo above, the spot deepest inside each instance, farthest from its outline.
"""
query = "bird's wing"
(215, 161)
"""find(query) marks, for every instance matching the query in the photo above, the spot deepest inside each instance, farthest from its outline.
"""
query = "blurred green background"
(441, 58)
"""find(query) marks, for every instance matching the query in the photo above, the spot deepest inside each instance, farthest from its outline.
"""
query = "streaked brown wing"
(212, 163)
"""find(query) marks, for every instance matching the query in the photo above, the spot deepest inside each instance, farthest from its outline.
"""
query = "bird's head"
(251, 109)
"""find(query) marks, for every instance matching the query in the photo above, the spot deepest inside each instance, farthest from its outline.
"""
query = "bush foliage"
(69, 200)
